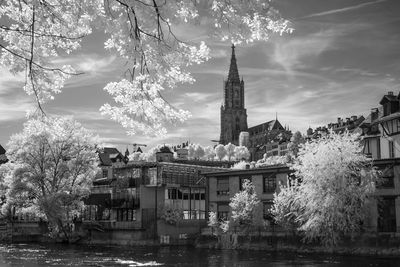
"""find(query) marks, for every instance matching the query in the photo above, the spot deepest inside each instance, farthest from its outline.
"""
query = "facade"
(234, 118)
(381, 139)
(138, 196)
(222, 186)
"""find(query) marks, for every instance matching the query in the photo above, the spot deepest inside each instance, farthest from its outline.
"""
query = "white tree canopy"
(35, 34)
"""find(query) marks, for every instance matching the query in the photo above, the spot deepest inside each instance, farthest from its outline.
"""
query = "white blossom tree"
(52, 164)
(241, 153)
(336, 181)
(243, 205)
(36, 36)
(220, 151)
(137, 156)
(199, 152)
(209, 153)
(230, 151)
(295, 143)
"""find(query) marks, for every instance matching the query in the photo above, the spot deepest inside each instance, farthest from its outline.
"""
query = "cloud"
(345, 9)
(9, 81)
(289, 53)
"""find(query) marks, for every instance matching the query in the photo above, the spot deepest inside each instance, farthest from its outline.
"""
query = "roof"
(110, 150)
(235, 172)
(165, 149)
(109, 155)
(2, 150)
(105, 159)
(267, 126)
(387, 98)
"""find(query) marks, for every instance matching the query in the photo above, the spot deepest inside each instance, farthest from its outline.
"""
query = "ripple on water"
(131, 263)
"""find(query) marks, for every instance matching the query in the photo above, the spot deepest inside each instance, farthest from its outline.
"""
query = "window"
(126, 215)
(387, 178)
(391, 149)
(105, 173)
(241, 181)
(223, 212)
(222, 186)
(269, 182)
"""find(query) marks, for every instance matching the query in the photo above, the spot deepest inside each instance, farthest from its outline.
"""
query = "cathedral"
(263, 138)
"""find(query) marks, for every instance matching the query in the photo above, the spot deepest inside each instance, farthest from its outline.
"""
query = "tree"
(199, 151)
(36, 35)
(241, 152)
(191, 151)
(243, 204)
(329, 197)
(295, 143)
(136, 156)
(220, 151)
(209, 153)
(230, 151)
(52, 164)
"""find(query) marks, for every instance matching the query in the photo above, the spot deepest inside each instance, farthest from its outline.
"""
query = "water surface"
(34, 255)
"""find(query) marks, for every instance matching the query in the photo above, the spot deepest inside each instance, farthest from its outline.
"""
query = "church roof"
(233, 75)
(267, 126)
(2, 150)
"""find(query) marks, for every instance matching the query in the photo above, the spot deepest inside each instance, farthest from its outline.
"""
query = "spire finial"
(233, 75)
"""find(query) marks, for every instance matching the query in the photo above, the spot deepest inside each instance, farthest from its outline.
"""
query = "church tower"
(233, 113)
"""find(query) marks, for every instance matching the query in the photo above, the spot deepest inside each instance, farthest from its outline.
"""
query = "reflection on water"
(33, 255)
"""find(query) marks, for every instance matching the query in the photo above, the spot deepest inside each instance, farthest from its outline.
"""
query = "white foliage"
(243, 204)
(336, 181)
(230, 151)
(220, 151)
(34, 34)
(241, 152)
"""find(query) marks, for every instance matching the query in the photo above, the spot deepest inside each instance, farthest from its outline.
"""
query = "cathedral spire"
(233, 75)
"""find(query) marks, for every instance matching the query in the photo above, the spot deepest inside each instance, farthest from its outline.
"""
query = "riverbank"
(365, 245)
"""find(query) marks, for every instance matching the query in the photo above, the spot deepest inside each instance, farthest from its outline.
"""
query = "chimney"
(347, 120)
(390, 93)
(339, 120)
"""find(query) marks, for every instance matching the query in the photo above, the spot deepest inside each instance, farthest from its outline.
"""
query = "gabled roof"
(270, 125)
(110, 150)
(387, 98)
(2, 150)
(109, 155)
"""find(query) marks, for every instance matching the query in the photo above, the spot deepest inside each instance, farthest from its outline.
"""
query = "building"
(234, 117)
(138, 196)
(222, 186)
(233, 112)
(3, 157)
(381, 140)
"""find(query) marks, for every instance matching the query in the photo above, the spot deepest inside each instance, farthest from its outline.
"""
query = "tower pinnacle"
(233, 75)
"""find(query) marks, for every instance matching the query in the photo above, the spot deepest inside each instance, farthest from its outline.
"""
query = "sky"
(341, 59)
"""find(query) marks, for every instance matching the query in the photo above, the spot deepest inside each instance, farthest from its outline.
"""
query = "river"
(34, 255)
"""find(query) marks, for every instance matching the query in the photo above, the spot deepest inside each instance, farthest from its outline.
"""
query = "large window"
(223, 186)
(387, 178)
(190, 200)
(126, 215)
(269, 183)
